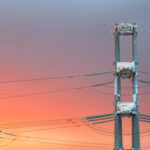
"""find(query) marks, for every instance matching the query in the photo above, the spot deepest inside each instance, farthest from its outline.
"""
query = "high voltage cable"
(100, 119)
(50, 128)
(59, 140)
(108, 133)
(99, 116)
(54, 78)
(78, 125)
(145, 118)
(99, 131)
(145, 72)
(72, 121)
(125, 132)
(67, 122)
(103, 121)
(145, 115)
(143, 81)
(89, 145)
(55, 91)
(112, 87)
(16, 126)
(56, 143)
(34, 125)
(39, 121)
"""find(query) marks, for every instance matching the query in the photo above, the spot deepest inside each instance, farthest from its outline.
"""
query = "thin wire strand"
(55, 91)
(54, 78)
(58, 143)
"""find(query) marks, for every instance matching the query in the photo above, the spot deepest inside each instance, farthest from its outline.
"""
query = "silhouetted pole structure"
(126, 70)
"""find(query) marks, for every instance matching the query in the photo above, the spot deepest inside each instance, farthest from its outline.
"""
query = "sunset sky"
(52, 38)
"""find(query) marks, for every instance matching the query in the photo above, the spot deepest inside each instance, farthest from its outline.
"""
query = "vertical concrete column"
(135, 118)
(118, 120)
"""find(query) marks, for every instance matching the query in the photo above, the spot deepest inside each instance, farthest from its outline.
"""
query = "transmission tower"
(126, 70)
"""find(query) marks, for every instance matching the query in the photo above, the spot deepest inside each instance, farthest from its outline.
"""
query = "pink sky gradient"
(48, 38)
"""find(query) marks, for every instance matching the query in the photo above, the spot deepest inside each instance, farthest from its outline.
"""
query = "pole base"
(136, 149)
(118, 149)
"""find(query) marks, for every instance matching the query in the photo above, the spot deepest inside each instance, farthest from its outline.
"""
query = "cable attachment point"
(126, 108)
(125, 69)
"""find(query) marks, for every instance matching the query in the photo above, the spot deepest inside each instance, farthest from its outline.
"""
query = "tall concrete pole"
(135, 117)
(118, 120)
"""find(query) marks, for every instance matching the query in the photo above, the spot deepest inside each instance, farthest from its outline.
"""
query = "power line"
(40, 123)
(143, 81)
(58, 143)
(145, 72)
(55, 91)
(67, 122)
(60, 140)
(57, 77)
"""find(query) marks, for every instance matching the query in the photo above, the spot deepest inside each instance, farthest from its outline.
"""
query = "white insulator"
(125, 69)
(126, 108)
(126, 28)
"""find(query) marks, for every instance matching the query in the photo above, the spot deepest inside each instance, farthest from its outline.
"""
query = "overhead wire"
(76, 124)
(59, 140)
(57, 77)
(55, 91)
(39, 124)
(71, 122)
(145, 72)
(56, 140)
(58, 143)
(68, 123)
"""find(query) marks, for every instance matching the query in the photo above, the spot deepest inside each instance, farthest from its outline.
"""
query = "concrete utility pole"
(126, 70)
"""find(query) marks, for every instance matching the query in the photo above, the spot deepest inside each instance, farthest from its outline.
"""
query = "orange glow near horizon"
(40, 38)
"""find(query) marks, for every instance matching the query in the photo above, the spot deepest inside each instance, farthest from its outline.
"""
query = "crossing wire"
(55, 91)
(99, 116)
(145, 115)
(71, 121)
(143, 81)
(145, 120)
(39, 124)
(103, 121)
(100, 119)
(52, 123)
(77, 125)
(58, 77)
(145, 72)
(58, 143)
(52, 139)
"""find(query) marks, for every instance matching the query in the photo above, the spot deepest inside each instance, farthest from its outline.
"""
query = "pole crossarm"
(99, 116)
(98, 119)
(144, 115)
(101, 84)
(103, 121)
(145, 72)
(99, 73)
(144, 118)
(105, 118)
(143, 81)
